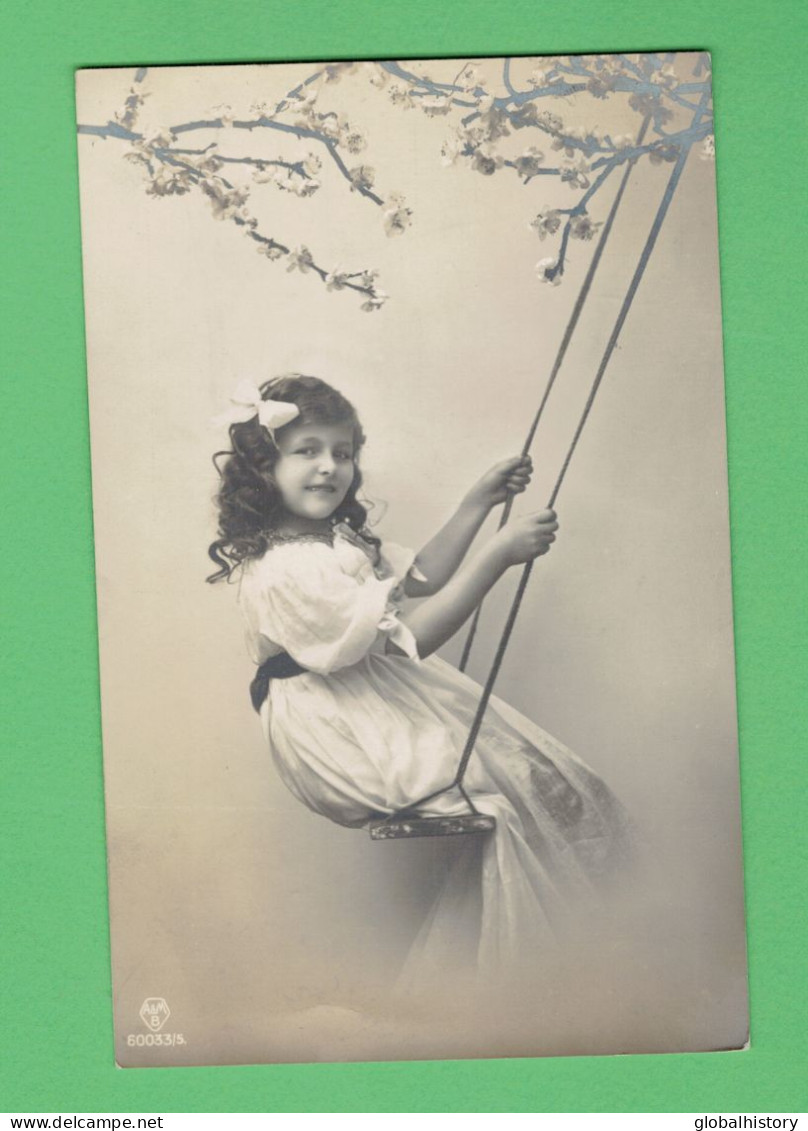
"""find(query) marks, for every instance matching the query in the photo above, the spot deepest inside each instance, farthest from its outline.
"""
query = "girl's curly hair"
(249, 502)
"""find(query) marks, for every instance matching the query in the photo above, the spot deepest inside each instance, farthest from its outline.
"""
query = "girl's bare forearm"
(438, 618)
(441, 556)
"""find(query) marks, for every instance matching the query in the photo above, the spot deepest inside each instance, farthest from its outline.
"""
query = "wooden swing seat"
(400, 827)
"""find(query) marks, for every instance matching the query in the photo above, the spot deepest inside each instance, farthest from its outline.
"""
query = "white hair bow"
(247, 402)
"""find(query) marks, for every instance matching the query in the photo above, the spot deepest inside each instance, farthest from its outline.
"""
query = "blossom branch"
(174, 170)
(297, 131)
(506, 77)
(587, 156)
(259, 163)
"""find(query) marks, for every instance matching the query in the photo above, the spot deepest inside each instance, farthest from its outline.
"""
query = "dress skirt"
(363, 733)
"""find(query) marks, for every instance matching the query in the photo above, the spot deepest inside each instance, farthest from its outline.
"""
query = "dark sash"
(281, 666)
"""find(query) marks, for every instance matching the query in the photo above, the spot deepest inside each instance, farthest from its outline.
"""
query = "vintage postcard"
(410, 497)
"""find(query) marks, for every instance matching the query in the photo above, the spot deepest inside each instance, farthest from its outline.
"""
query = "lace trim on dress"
(279, 538)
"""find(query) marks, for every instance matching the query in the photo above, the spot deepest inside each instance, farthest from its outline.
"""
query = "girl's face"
(315, 468)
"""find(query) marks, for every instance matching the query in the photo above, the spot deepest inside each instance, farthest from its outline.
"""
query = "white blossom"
(650, 104)
(493, 120)
(601, 85)
(333, 126)
(470, 136)
(169, 182)
(546, 223)
(266, 174)
(335, 71)
(355, 141)
(362, 178)
(401, 97)
(376, 74)
(336, 280)
(549, 121)
(529, 162)
(576, 173)
(300, 259)
(436, 105)
(157, 139)
(538, 77)
(541, 77)
(662, 153)
(375, 301)
(583, 227)
(304, 186)
(486, 162)
(206, 162)
(665, 77)
(707, 151)
(397, 217)
(225, 202)
(271, 250)
(136, 156)
(546, 269)
(608, 65)
(525, 115)
(127, 115)
(302, 101)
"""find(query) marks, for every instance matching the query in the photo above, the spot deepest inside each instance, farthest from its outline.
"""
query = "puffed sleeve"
(400, 561)
(298, 597)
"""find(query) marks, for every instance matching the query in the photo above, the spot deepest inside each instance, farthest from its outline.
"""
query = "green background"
(57, 1026)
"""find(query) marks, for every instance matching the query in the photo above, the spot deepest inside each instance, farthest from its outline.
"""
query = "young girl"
(362, 719)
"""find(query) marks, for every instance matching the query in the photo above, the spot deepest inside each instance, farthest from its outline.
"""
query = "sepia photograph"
(411, 533)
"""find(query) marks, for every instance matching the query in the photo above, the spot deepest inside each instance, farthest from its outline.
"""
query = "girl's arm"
(437, 619)
(439, 559)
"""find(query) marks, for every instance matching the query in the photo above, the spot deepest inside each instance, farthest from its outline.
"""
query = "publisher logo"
(154, 1013)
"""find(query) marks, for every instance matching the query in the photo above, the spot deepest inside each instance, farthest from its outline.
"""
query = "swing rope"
(650, 243)
(572, 322)
(639, 271)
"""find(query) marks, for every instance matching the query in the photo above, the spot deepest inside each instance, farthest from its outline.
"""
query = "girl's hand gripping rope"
(437, 619)
(440, 558)
(508, 477)
(528, 537)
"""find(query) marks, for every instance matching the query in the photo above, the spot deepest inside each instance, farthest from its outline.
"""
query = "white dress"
(363, 733)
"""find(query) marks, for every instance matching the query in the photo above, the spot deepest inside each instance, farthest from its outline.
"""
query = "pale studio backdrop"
(267, 929)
